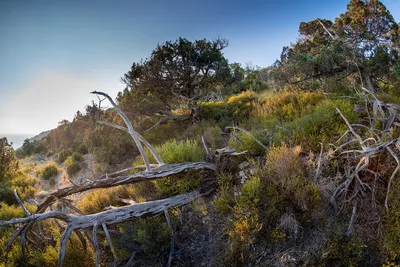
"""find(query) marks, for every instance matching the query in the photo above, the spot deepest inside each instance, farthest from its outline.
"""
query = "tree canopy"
(364, 41)
(177, 71)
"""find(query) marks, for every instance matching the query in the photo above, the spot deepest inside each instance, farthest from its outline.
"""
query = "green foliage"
(155, 90)
(6, 192)
(49, 171)
(7, 212)
(284, 169)
(72, 165)
(63, 155)
(244, 142)
(174, 151)
(171, 130)
(278, 108)
(153, 235)
(82, 149)
(323, 124)
(76, 255)
(49, 153)
(25, 185)
(341, 250)
(225, 200)
(217, 111)
(391, 241)
(8, 160)
(77, 156)
(96, 200)
(32, 147)
(241, 105)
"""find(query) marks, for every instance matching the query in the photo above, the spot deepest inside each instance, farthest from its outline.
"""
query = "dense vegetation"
(298, 196)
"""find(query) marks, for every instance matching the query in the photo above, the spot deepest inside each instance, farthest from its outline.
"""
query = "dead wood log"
(155, 173)
(114, 216)
(78, 223)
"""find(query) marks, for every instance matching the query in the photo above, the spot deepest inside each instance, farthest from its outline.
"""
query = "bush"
(82, 149)
(49, 153)
(8, 212)
(6, 193)
(76, 255)
(153, 235)
(25, 185)
(72, 165)
(174, 151)
(341, 250)
(217, 111)
(241, 105)
(321, 125)
(284, 169)
(212, 133)
(77, 156)
(48, 171)
(391, 241)
(63, 155)
(96, 200)
(244, 142)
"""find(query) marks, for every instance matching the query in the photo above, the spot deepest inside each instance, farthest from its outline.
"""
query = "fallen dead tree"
(155, 173)
(110, 217)
(357, 153)
(77, 223)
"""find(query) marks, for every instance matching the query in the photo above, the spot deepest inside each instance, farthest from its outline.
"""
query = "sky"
(53, 53)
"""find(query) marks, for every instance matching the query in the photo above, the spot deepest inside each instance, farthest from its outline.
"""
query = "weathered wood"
(132, 132)
(156, 173)
(114, 216)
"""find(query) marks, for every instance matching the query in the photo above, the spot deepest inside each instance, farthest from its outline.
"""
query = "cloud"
(49, 98)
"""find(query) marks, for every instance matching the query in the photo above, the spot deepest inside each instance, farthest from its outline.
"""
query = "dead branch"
(132, 132)
(80, 223)
(114, 216)
(155, 173)
(21, 203)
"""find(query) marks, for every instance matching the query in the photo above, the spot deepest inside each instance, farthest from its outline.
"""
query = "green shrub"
(341, 250)
(287, 105)
(212, 133)
(96, 200)
(72, 165)
(244, 142)
(174, 151)
(284, 169)
(153, 235)
(77, 156)
(25, 184)
(321, 125)
(217, 111)
(49, 153)
(76, 255)
(48, 171)
(6, 193)
(82, 148)
(7, 212)
(391, 241)
(63, 155)
(241, 105)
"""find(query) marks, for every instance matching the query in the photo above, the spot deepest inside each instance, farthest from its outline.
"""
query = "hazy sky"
(53, 53)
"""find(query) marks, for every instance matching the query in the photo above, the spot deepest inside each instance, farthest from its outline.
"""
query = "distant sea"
(16, 139)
